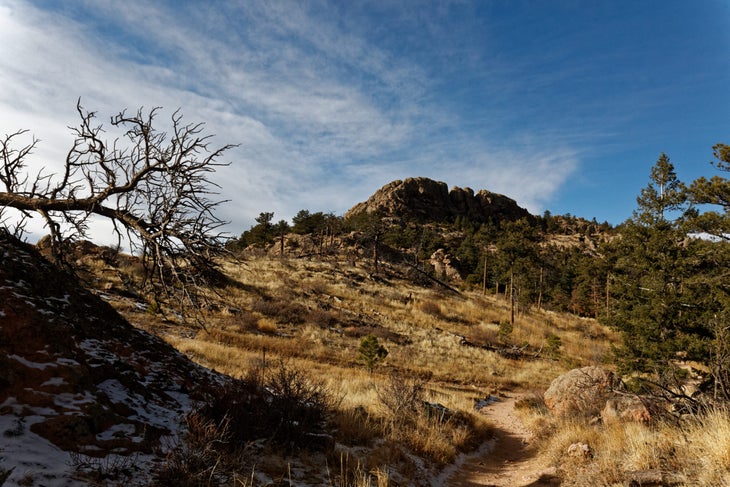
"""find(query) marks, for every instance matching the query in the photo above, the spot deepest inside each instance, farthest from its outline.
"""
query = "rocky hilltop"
(425, 200)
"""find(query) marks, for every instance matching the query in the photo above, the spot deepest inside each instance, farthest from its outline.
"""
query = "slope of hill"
(78, 383)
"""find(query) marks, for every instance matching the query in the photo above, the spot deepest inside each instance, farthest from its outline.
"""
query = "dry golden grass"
(695, 452)
(312, 314)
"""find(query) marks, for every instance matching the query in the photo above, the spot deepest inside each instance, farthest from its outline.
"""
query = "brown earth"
(513, 460)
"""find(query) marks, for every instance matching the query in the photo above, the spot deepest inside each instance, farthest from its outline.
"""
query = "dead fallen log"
(652, 478)
(511, 352)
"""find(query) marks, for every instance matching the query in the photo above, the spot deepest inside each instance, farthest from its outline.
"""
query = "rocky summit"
(425, 200)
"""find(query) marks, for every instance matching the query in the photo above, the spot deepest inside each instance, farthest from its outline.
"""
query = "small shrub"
(281, 310)
(299, 403)
(355, 427)
(200, 457)
(266, 325)
(321, 317)
(552, 344)
(505, 330)
(430, 308)
(371, 351)
(401, 397)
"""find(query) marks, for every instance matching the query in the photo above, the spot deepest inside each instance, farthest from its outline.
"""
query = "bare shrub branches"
(154, 187)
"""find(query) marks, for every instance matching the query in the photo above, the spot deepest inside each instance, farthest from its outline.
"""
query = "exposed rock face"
(444, 265)
(425, 200)
(581, 392)
(75, 376)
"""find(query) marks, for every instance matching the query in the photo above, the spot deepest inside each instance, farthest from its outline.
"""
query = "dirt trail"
(512, 461)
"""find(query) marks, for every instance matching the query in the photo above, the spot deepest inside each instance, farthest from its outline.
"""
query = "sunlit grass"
(312, 315)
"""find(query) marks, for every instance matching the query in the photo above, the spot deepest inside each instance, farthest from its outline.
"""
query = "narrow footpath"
(512, 460)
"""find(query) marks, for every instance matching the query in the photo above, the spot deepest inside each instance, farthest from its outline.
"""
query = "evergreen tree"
(519, 256)
(710, 283)
(652, 303)
(371, 351)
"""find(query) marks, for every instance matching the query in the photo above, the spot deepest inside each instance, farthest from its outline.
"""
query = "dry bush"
(352, 473)
(283, 311)
(429, 307)
(354, 426)
(242, 321)
(402, 398)
(321, 317)
(484, 335)
(203, 456)
(430, 430)
(266, 325)
(301, 405)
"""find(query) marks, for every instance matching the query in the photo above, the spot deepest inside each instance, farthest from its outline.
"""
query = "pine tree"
(653, 305)
(710, 283)
(371, 352)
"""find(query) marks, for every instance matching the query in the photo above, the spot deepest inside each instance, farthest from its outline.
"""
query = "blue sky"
(562, 105)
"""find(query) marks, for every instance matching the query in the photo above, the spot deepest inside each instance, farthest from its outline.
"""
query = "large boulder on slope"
(581, 392)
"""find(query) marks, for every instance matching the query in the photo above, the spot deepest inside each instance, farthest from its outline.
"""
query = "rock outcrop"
(425, 200)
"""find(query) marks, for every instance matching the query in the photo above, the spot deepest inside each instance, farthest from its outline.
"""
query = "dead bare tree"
(155, 188)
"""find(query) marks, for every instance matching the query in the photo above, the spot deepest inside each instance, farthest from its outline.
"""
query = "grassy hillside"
(449, 349)
(297, 325)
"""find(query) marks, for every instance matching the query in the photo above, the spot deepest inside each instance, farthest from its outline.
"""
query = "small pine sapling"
(371, 352)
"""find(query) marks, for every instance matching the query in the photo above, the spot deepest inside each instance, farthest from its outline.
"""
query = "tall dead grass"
(694, 452)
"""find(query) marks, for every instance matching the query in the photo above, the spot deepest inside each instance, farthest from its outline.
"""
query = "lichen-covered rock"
(581, 392)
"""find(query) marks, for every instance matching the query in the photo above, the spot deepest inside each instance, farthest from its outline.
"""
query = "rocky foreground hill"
(78, 383)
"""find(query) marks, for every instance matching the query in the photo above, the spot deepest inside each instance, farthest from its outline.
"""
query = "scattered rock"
(625, 408)
(580, 450)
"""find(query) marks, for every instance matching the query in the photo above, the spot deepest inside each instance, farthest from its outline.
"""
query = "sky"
(562, 105)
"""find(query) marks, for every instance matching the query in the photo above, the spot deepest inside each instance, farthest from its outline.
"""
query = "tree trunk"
(511, 298)
(539, 292)
(484, 277)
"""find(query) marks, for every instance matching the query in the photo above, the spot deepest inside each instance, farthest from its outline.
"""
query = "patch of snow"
(35, 459)
(54, 381)
(117, 431)
(32, 365)
(482, 403)
(67, 361)
(31, 456)
(67, 400)
(145, 411)
(95, 349)
(64, 299)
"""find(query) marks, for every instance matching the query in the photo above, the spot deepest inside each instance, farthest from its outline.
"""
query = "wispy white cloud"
(323, 115)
